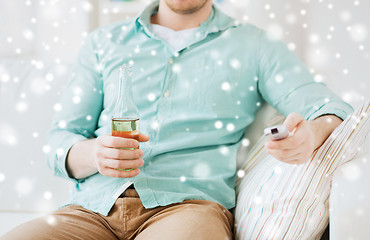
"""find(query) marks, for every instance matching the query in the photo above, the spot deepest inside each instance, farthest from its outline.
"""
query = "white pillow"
(276, 200)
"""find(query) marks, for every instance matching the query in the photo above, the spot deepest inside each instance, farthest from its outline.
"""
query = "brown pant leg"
(191, 219)
(71, 222)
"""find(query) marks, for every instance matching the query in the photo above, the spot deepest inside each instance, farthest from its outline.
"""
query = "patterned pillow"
(276, 200)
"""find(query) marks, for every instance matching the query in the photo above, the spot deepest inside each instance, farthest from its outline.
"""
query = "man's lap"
(128, 219)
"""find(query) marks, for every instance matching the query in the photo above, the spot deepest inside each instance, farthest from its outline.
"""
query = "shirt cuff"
(339, 109)
(57, 157)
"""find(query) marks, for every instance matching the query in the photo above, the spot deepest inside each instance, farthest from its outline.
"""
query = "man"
(199, 78)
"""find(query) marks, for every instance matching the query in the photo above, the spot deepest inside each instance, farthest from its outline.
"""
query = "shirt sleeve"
(287, 85)
(81, 104)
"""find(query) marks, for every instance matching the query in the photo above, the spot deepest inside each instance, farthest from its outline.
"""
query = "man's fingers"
(284, 155)
(291, 142)
(116, 153)
(123, 164)
(119, 142)
(292, 121)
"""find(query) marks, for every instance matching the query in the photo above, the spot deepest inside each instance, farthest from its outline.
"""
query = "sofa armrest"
(350, 198)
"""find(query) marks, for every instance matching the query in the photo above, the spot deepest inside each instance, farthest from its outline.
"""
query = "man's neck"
(167, 18)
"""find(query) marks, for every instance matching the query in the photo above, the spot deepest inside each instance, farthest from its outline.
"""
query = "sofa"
(29, 93)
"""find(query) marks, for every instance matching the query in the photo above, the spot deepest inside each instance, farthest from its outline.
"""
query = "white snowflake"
(291, 18)
(352, 172)
(24, 186)
(358, 32)
(46, 148)
(225, 86)
(60, 152)
(47, 195)
(279, 78)
(292, 46)
(235, 63)
(49, 77)
(275, 31)
(241, 173)
(224, 150)
(87, 6)
(5, 77)
(2, 177)
(176, 68)
(257, 200)
(230, 127)
(345, 16)
(8, 135)
(76, 99)
(62, 124)
(21, 106)
(201, 170)
(155, 125)
(218, 124)
(57, 107)
(51, 220)
(318, 78)
(151, 97)
(314, 38)
(38, 86)
(278, 170)
(245, 142)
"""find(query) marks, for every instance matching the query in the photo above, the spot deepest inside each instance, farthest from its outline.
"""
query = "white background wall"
(331, 37)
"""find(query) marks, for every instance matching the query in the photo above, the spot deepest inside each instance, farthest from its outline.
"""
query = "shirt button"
(170, 61)
(166, 94)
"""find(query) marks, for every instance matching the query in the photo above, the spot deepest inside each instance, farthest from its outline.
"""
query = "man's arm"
(307, 137)
(75, 124)
(103, 155)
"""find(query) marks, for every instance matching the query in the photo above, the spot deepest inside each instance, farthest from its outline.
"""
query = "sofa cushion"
(276, 200)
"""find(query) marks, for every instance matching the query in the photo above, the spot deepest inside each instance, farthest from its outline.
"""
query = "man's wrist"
(80, 161)
(323, 126)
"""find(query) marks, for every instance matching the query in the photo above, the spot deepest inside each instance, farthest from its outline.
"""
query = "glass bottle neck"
(125, 106)
(125, 82)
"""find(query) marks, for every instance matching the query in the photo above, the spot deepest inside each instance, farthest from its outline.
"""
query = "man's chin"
(185, 9)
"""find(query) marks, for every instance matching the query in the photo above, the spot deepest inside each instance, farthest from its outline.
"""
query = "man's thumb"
(143, 137)
(292, 121)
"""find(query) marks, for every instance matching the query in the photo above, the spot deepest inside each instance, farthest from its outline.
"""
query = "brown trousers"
(128, 219)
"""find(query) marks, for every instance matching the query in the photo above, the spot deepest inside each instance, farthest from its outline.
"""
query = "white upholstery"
(350, 198)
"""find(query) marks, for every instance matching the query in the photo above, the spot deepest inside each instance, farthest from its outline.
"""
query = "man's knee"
(67, 223)
(192, 219)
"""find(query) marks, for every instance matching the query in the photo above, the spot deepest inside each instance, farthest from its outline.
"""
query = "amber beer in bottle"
(125, 115)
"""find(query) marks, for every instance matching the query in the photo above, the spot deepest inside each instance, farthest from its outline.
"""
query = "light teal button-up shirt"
(194, 104)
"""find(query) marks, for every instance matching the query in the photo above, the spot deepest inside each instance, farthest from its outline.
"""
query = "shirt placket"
(165, 99)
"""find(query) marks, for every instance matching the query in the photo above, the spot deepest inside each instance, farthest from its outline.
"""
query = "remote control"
(277, 132)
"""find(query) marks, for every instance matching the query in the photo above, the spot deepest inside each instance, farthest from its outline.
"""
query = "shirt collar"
(216, 22)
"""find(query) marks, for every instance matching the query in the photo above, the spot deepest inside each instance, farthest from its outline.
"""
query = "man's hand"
(109, 158)
(103, 155)
(306, 138)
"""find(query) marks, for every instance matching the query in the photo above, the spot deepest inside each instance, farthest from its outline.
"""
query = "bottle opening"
(125, 67)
